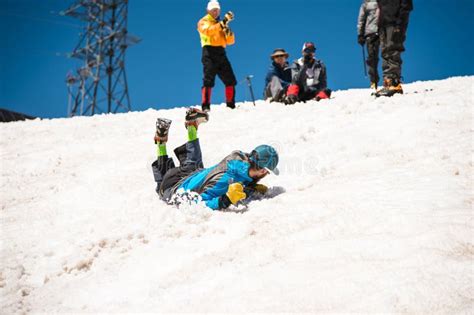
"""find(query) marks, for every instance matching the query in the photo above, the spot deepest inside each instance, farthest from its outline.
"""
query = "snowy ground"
(376, 214)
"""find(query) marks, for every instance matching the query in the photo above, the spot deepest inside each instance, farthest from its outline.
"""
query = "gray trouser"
(167, 175)
(275, 89)
(392, 48)
(372, 61)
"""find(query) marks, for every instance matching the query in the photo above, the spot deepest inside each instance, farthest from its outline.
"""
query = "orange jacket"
(212, 33)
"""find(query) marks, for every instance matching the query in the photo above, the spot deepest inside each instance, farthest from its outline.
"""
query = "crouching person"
(309, 78)
(278, 76)
(219, 186)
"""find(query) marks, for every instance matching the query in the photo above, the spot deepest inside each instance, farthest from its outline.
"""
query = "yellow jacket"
(212, 33)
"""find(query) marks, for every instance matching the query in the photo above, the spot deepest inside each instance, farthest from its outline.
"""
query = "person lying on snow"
(309, 79)
(219, 186)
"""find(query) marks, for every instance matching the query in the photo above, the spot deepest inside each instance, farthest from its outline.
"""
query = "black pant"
(215, 62)
(167, 176)
(372, 61)
(392, 47)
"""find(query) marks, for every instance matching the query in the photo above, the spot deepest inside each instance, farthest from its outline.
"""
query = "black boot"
(206, 107)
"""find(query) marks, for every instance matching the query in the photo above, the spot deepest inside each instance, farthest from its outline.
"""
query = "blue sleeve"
(286, 77)
(212, 196)
(237, 171)
(270, 74)
(213, 203)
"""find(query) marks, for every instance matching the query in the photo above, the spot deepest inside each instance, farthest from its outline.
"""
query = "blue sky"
(164, 69)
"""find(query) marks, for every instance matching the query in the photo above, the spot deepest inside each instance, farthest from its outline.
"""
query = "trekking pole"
(249, 83)
(363, 59)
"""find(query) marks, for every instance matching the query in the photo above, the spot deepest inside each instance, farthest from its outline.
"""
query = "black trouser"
(372, 61)
(392, 47)
(215, 62)
(167, 175)
(309, 93)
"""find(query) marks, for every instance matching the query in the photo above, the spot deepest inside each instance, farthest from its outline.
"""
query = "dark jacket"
(283, 73)
(311, 77)
(395, 12)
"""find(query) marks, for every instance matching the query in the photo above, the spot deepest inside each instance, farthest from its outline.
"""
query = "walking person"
(393, 24)
(215, 35)
(367, 34)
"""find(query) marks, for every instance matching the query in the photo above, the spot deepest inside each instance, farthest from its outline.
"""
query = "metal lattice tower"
(99, 85)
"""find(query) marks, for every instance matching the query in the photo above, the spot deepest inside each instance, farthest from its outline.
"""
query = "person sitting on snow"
(309, 80)
(278, 76)
(219, 186)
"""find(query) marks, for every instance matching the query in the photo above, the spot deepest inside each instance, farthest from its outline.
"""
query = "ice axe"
(249, 83)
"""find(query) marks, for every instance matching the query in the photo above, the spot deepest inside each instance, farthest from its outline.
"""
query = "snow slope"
(372, 211)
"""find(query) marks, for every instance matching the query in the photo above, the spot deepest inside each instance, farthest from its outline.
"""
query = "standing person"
(309, 79)
(367, 33)
(278, 76)
(393, 23)
(219, 186)
(215, 35)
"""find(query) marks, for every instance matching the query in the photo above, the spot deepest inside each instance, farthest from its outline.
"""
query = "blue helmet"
(265, 156)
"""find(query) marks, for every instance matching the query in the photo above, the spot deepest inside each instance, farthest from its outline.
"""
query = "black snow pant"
(167, 176)
(215, 62)
(275, 90)
(309, 94)
(392, 47)
(372, 61)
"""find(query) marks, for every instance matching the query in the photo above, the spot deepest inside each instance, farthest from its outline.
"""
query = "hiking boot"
(162, 128)
(390, 88)
(280, 96)
(206, 107)
(195, 117)
(373, 86)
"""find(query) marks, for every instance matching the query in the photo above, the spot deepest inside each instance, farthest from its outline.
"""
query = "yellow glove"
(261, 188)
(235, 193)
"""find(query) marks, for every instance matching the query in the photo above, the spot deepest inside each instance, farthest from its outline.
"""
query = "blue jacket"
(212, 183)
(283, 73)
